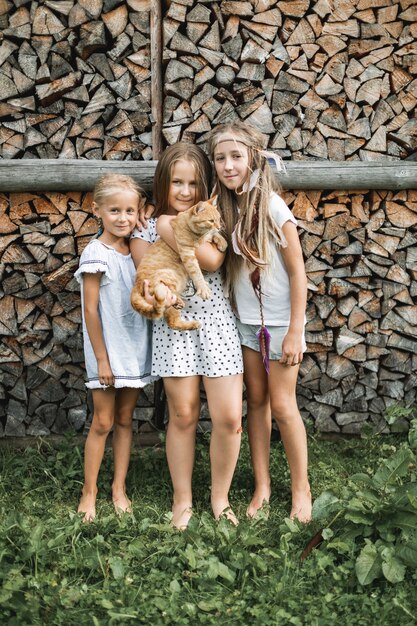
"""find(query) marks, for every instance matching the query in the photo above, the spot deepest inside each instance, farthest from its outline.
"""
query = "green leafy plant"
(374, 517)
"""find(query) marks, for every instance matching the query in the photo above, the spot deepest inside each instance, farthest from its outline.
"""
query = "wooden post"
(156, 77)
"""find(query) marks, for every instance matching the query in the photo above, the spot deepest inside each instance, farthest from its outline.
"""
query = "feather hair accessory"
(251, 183)
(263, 334)
(275, 159)
(235, 245)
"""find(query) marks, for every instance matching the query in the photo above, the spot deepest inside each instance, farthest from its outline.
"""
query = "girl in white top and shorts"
(266, 279)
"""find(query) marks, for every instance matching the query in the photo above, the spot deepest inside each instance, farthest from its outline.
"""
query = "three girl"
(116, 338)
(265, 277)
(184, 359)
(263, 274)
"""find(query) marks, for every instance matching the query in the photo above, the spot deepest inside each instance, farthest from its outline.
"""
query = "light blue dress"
(127, 335)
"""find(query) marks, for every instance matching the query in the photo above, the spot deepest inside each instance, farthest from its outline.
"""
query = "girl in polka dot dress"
(211, 354)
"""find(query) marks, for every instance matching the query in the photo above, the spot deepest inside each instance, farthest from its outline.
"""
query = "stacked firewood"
(75, 79)
(361, 259)
(322, 80)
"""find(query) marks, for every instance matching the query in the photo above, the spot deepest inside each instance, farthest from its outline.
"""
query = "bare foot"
(301, 507)
(121, 503)
(181, 515)
(224, 512)
(259, 502)
(87, 506)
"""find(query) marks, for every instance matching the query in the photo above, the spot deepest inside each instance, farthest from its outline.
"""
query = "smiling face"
(182, 192)
(119, 213)
(231, 162)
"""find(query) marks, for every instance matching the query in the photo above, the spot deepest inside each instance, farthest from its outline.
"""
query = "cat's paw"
(179, 324)
(204, 292)
(179, 304)
(193, 325)
(220, 242)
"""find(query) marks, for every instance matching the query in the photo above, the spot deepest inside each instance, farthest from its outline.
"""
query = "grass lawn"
(138, 570)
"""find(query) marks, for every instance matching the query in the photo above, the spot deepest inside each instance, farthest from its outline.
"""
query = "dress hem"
(224, 375)
(131, 384)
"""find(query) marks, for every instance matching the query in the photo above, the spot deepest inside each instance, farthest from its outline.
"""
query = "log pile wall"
(321, 79)
(75, 79)
(361, 260)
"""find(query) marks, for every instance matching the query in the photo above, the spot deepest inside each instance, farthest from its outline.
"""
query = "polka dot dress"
(213, 350)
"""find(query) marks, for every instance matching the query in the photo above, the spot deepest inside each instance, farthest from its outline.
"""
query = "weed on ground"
(138, 570)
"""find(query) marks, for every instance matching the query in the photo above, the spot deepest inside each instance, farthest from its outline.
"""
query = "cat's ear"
(213, 200)
(199, 207)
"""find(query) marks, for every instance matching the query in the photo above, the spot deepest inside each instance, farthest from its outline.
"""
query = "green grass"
(138, 570)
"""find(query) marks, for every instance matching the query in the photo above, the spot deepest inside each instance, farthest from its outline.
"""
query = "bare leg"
(104, 406)
(224, 396)
(282, 385)
(122, 443)
(183, 396)
(259, 427)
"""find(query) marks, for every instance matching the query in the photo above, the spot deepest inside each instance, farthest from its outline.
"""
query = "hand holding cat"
(170, 298)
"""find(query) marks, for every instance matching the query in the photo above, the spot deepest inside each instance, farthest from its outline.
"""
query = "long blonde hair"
(247, 214)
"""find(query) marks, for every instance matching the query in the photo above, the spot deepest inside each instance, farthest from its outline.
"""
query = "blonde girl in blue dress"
(116, 339)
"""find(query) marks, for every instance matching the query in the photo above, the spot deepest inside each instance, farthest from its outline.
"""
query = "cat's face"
(204, 216)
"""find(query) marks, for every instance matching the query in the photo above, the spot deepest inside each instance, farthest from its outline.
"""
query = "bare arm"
(91, 288)
(293, 258)
(208, 256)
(138, 248)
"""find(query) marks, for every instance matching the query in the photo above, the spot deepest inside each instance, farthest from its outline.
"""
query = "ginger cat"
(162, 266)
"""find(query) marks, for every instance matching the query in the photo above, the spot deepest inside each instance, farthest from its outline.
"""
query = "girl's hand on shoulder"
(292, 349)
(105, 374)
(145, 212)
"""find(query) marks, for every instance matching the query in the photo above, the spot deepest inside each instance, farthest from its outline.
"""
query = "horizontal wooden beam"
(36, 175)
